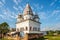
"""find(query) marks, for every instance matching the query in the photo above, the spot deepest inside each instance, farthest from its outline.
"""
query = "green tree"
(4, 28)
(50, 32)
(57, 31)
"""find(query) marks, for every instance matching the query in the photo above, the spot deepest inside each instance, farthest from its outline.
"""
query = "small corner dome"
(36, 16)
(19, 15)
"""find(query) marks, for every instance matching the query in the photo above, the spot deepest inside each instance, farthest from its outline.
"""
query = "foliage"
(53, 32)
(50, 32)
(53, 37)
(57, 31)
(41, 38)
(5, 39)
(4, 27)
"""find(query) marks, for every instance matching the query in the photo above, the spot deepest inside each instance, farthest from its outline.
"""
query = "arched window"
(17, 29)
(34, 29)
(30, 28)
(38, 29)
(28, 12)
(26, 28)
(22, 29)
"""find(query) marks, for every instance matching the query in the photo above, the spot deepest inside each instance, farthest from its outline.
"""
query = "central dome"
(27, 10)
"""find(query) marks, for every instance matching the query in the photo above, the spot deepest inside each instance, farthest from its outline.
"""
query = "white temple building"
(28, 22)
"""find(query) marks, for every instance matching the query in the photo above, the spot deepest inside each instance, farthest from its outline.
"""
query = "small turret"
(19, 18)
(36, 17)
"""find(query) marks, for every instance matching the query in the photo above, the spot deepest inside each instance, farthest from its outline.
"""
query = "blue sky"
(48, 10)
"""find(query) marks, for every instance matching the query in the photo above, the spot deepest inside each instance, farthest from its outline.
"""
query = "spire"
(28, 10)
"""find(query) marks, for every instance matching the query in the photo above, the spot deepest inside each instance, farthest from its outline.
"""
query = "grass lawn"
(48, 37)
(4, 39)
(52, 37)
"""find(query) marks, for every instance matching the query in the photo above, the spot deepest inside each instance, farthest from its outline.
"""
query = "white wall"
(22, 24)
(28, 17)
(34, 24)
(28, 23)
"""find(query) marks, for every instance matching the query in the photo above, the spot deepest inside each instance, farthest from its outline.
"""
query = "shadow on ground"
(42, 38)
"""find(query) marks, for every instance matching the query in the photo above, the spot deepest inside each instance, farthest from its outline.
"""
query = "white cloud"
(1, 16)
(55, 12)
(42, 15)
(38, 7)
(19, 1)
(42, 6)
(52, 3)
(32, 8)
(58, 18)
(3, 1)
(11, 14)
(4, 17)
(15, 2)
(8, 15)
(21, 8)
(15, 8)
(55, 26)
(1, 4)
(58, 7)
(47, 28)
